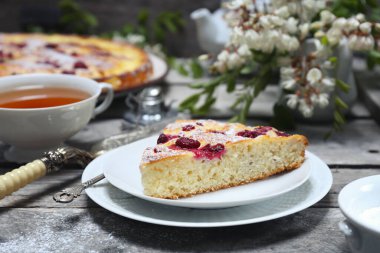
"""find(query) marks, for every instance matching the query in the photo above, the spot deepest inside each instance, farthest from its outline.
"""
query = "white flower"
(293, 44)
(317, 25)
(334, 35)
(264, 22)
(221, 67)
(282, 12)
(323, 100)
(321, 51)
(135, 38)
(234, 61)
(288, 84)
(361, 43)
(244, 51)
(237, 36)
(236, 4)
(204, 57)
(377, 27)
(352, 24)
(314, 75)
(368, 43)
(252, 39)
(287, 73)
(339, 23)
(292, 101)
(276, 21)
(304, 29)
(223, 56)
(291, 25)
(319, 34)
(365, 27)
(327, 17)
(305, 109)
(353, 42)
(328, 83)
(360, 17)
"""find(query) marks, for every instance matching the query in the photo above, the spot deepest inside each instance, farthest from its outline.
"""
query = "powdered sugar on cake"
(206, 134)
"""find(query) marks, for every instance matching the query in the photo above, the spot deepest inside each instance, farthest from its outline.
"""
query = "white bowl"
(360, 203)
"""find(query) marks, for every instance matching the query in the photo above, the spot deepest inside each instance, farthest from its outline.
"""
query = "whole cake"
(120, 64)
(197, 156)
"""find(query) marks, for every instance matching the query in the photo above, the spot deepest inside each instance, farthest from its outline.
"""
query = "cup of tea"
(38, 112)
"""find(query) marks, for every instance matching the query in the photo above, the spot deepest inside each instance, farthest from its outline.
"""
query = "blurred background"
(105, 17)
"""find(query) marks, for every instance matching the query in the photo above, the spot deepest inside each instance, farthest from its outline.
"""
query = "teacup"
(360, 203)
(33, 130)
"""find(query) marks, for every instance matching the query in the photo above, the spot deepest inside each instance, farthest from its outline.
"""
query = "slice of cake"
(197, 156)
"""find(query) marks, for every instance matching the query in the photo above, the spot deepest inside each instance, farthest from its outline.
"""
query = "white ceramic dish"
(119, 202)
(122, 171)
(360, 203)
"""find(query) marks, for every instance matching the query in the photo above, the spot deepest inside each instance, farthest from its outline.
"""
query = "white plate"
(121, 168)
(119, 202)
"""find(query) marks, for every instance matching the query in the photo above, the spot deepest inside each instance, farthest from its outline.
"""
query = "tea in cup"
(38, 112)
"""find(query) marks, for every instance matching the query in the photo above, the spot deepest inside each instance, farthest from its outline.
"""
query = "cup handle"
(352, 234)
(107, 101)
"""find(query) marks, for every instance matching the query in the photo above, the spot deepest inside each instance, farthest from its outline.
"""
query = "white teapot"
(212, 30)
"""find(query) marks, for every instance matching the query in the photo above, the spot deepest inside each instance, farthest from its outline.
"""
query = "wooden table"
(31, 221)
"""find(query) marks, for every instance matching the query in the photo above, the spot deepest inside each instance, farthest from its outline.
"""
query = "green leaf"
(199, 85)
(325, 41)
(333, 59)
(339, 118)
(206, 106)
(342, 85)
(182, 70)
(190, 101)
(373, 58)
(196, 69)
(340, 103)
(231, 83)
(142, 17)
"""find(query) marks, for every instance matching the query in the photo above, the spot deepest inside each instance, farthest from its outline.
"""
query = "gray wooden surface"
(32, 222)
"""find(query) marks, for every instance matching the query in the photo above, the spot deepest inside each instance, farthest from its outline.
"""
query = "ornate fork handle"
(67, 195)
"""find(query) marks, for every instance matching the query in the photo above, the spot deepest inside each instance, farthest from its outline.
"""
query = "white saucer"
(119, 202)
(122, 170)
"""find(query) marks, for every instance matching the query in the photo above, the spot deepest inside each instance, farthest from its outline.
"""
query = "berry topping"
(254, 133)
(80, 65)
(248, 134)
(280, 133)
(163, 138)
(188, 128)
(68, 72)
(216, 132)
(187, 143)
(214, 149)
(51, 45)
(199, 124)
(210, 152)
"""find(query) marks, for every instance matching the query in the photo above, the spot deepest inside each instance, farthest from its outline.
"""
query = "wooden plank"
(97, 230)
(39, 194)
